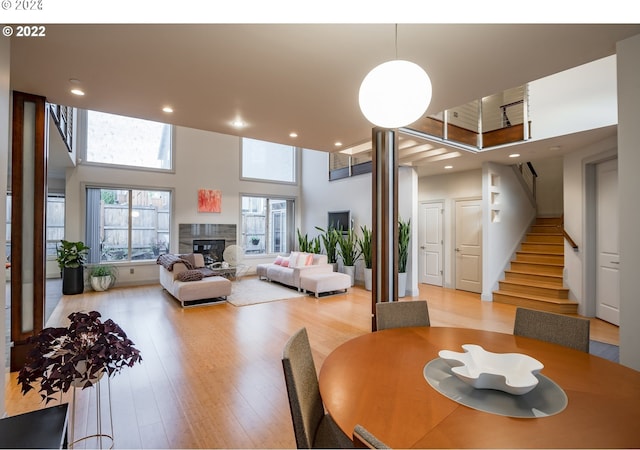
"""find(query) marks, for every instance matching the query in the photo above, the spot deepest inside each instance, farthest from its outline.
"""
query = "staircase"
(535, 278)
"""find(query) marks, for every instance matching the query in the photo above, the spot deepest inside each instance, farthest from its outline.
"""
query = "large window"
(267, 225)
(125, 141)
(267, 161)
(127, 224)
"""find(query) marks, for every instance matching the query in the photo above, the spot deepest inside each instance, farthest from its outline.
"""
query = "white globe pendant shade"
(395, 94)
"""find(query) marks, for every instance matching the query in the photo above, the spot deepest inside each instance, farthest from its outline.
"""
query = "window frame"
(296, 164)
(82, 143)
(107, 186)
(290, 221)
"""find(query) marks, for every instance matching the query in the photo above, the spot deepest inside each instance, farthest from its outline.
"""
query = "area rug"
(606, 351)
(250, 291)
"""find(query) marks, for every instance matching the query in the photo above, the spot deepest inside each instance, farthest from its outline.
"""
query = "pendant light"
(395, 93)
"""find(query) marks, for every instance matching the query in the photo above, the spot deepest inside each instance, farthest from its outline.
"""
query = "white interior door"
(468, 248)
(607, 245)
(431, 243)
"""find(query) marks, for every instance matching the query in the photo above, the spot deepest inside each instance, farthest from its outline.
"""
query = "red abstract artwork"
(209, 200)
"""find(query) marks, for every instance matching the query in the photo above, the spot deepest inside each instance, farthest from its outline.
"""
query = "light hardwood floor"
(211, 376)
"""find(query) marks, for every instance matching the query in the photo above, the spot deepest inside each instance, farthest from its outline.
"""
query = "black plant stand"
(73, 280)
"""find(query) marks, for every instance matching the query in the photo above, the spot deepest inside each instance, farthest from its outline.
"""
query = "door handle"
(457, 249)
(423, 247)
(614, 262)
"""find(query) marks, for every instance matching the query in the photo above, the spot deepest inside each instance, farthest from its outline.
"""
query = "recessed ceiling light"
(448, 167)
(238, 123)
(293, 134)
(555, 148)
(514, 155)
(338, 144)
(167, 109)
(77, 91)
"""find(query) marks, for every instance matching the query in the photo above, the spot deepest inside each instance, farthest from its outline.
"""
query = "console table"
(44, 428)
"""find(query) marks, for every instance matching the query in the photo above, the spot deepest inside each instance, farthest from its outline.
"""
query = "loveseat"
(289, 270)
(188, 280)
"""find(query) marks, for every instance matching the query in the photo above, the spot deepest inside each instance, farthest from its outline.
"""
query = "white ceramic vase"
(101, 283)
(402, 284)
(351, 271)
(368, 279)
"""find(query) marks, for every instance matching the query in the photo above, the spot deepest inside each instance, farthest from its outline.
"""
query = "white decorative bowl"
(509, 372)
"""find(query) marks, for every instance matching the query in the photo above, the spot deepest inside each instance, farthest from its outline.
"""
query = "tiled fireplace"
(208, 239)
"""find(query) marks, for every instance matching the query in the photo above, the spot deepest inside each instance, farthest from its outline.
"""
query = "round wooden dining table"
(377, 380)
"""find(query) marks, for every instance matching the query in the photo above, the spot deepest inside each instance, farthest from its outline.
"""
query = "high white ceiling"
(293, 77)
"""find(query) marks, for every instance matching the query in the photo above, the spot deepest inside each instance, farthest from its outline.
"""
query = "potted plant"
(308, 245)
(364, 245)
(349, 253)
(103, 276)
(330, 238)
(76, 356)
(404, 234)
(71, 257)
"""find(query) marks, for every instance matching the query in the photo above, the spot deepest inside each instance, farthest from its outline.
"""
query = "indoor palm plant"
(364, 244)
(349, 252)
(404, 234)
(71, 257)
(76, 356)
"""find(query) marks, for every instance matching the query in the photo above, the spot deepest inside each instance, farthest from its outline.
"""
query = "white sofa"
(195, 292)
(295, 270)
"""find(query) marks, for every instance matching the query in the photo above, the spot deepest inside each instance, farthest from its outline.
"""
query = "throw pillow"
(278, 260)
(293, 259)
(308, 259)
(285, 263)
(190, 275)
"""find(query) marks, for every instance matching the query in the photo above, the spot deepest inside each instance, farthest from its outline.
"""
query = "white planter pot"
(368, 280)
(402, 284)
(81, 367)
(101, 283)
(351, 271)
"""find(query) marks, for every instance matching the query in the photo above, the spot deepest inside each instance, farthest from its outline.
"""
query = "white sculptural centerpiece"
(509, 372)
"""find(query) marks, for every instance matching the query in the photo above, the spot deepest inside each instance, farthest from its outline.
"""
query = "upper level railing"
(63, 117)
(492, 121)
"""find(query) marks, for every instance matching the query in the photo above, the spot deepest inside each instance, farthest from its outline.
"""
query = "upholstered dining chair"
(312, 426)
(362, 438)
(559, 329)
(402, 314)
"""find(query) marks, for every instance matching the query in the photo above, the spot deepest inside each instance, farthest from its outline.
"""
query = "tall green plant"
(348, 248)
(330, 238)
(364, 244)
(404, 234)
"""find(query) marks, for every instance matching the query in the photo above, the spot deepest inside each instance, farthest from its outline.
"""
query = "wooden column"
(384, 218)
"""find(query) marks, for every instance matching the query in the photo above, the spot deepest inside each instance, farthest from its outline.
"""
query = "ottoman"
(320, 283)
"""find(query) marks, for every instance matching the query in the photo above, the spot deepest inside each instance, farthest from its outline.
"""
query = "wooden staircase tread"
(530, 252)
(539, 298)
(534, 284)
(528, 272)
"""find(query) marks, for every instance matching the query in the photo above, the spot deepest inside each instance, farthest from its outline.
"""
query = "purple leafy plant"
(77, 355)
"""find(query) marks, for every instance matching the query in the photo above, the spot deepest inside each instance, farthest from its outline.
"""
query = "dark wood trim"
(36, 262)
(514, 133)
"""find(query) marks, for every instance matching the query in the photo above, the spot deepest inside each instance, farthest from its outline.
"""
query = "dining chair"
(402, 314)
(312, 426)
(362, 438)
(559, 329)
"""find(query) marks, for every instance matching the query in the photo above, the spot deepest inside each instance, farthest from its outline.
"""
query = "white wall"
(578, 99)
(549, 187)
(503, 233)
(449, 188)
(629, 187)
(203, 160)
(5, 101)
